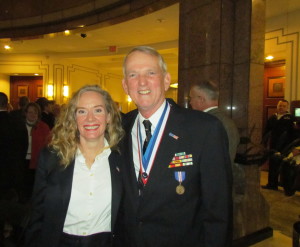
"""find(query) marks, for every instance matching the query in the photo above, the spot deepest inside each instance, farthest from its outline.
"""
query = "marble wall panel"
(202, 43)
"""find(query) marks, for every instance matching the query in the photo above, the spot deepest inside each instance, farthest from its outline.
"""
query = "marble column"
(223, 40)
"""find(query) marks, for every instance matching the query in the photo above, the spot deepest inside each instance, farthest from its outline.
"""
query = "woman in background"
(38, 137)
(78, 188)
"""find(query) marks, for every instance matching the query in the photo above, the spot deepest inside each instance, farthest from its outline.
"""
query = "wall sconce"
(50, 91)
(66, 91)
(129, 100)
(174, 85)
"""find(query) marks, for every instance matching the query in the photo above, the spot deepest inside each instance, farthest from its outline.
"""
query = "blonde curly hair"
(65, 134)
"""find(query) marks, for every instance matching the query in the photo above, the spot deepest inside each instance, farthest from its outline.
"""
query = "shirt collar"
(210, 108)
(155, 117)
(105, 153)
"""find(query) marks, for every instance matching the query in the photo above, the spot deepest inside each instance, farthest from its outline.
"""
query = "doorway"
(274, 87)
(30, 86)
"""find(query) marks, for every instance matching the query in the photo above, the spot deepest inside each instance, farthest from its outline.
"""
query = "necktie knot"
(147, 125)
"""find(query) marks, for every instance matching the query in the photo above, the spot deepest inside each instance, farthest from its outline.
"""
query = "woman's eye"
(81, 112)
(98, 110)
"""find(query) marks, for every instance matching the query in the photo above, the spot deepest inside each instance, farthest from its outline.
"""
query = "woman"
(38, 137)
(78, 187)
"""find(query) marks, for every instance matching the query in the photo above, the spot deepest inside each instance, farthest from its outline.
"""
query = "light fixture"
(66, 91)
(67, 32)
(269, 57)
(129, 100)
(50, 91)
(36, 74)
(174, 85)
(7, 47)
(231, 108)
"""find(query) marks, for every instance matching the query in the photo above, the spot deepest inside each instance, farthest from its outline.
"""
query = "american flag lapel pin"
(174, 136)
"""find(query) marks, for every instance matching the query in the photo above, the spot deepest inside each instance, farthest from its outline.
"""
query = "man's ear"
(167, 81)
(124, 84)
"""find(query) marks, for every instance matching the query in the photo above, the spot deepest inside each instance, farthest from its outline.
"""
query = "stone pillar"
(223, 40)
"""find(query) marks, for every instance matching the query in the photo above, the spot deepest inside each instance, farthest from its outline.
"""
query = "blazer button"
(140, 223)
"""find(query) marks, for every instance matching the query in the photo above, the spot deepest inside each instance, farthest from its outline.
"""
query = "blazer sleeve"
(216, 188)
(45, 165)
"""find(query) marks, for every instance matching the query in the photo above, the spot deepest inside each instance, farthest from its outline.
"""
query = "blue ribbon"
(149, 150)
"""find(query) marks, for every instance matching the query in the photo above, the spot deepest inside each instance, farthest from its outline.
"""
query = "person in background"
(38, 137)
(177, 173)
(12, 154)
(78, 185)
(279, 133)
(13, 147)
(46, 114)
(204, 96)
(19, 114)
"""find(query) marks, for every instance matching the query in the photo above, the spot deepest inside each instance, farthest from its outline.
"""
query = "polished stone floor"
(284, 211)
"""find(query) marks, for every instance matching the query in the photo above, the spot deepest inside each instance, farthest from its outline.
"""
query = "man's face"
(145, 82)
(282, 107)
(197, 99)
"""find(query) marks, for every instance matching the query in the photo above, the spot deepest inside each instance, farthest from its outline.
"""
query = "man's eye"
(151, 73)
(132, 75)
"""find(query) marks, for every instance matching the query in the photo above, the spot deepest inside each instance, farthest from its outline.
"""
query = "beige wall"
(282, 41)
(4, 84)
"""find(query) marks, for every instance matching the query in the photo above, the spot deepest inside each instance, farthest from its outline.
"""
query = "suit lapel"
(66, 179)
(114, 162)
(128, 153)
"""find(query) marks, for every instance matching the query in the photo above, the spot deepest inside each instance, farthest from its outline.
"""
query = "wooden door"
(30, 86)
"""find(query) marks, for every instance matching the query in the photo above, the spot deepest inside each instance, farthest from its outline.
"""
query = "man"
(204, 96)
(13, 147)
(178, 189)
(279, 133)
(19, 114)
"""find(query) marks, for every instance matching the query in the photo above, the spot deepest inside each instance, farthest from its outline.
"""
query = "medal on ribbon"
(180, 177)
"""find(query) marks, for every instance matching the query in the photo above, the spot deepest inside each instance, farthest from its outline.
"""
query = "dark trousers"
(274, 169)
(102, 239)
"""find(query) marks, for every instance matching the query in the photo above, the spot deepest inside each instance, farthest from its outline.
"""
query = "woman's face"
(91, 117)
(32, 114)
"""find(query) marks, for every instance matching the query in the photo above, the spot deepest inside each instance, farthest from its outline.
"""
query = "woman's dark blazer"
(51, 196)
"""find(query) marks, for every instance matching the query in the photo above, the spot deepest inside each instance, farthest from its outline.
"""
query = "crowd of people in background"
(24, 132)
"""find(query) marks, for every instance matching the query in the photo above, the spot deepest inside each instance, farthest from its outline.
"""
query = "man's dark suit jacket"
(202, 216)
(13, 149)
(51, 198)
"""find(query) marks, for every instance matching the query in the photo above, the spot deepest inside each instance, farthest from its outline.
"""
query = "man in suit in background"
(178, 175)
(204, 96)
(13, 147)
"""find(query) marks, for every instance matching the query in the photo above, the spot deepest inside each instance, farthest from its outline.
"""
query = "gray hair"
(151, 51)
(209, 87)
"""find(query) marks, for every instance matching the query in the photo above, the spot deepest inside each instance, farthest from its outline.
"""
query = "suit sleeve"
(33, 231)
(216, 188)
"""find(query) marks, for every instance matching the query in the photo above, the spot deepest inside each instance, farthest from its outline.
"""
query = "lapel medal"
(180, 177)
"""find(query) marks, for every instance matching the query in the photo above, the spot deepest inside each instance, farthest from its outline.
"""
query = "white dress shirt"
(89, 209)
